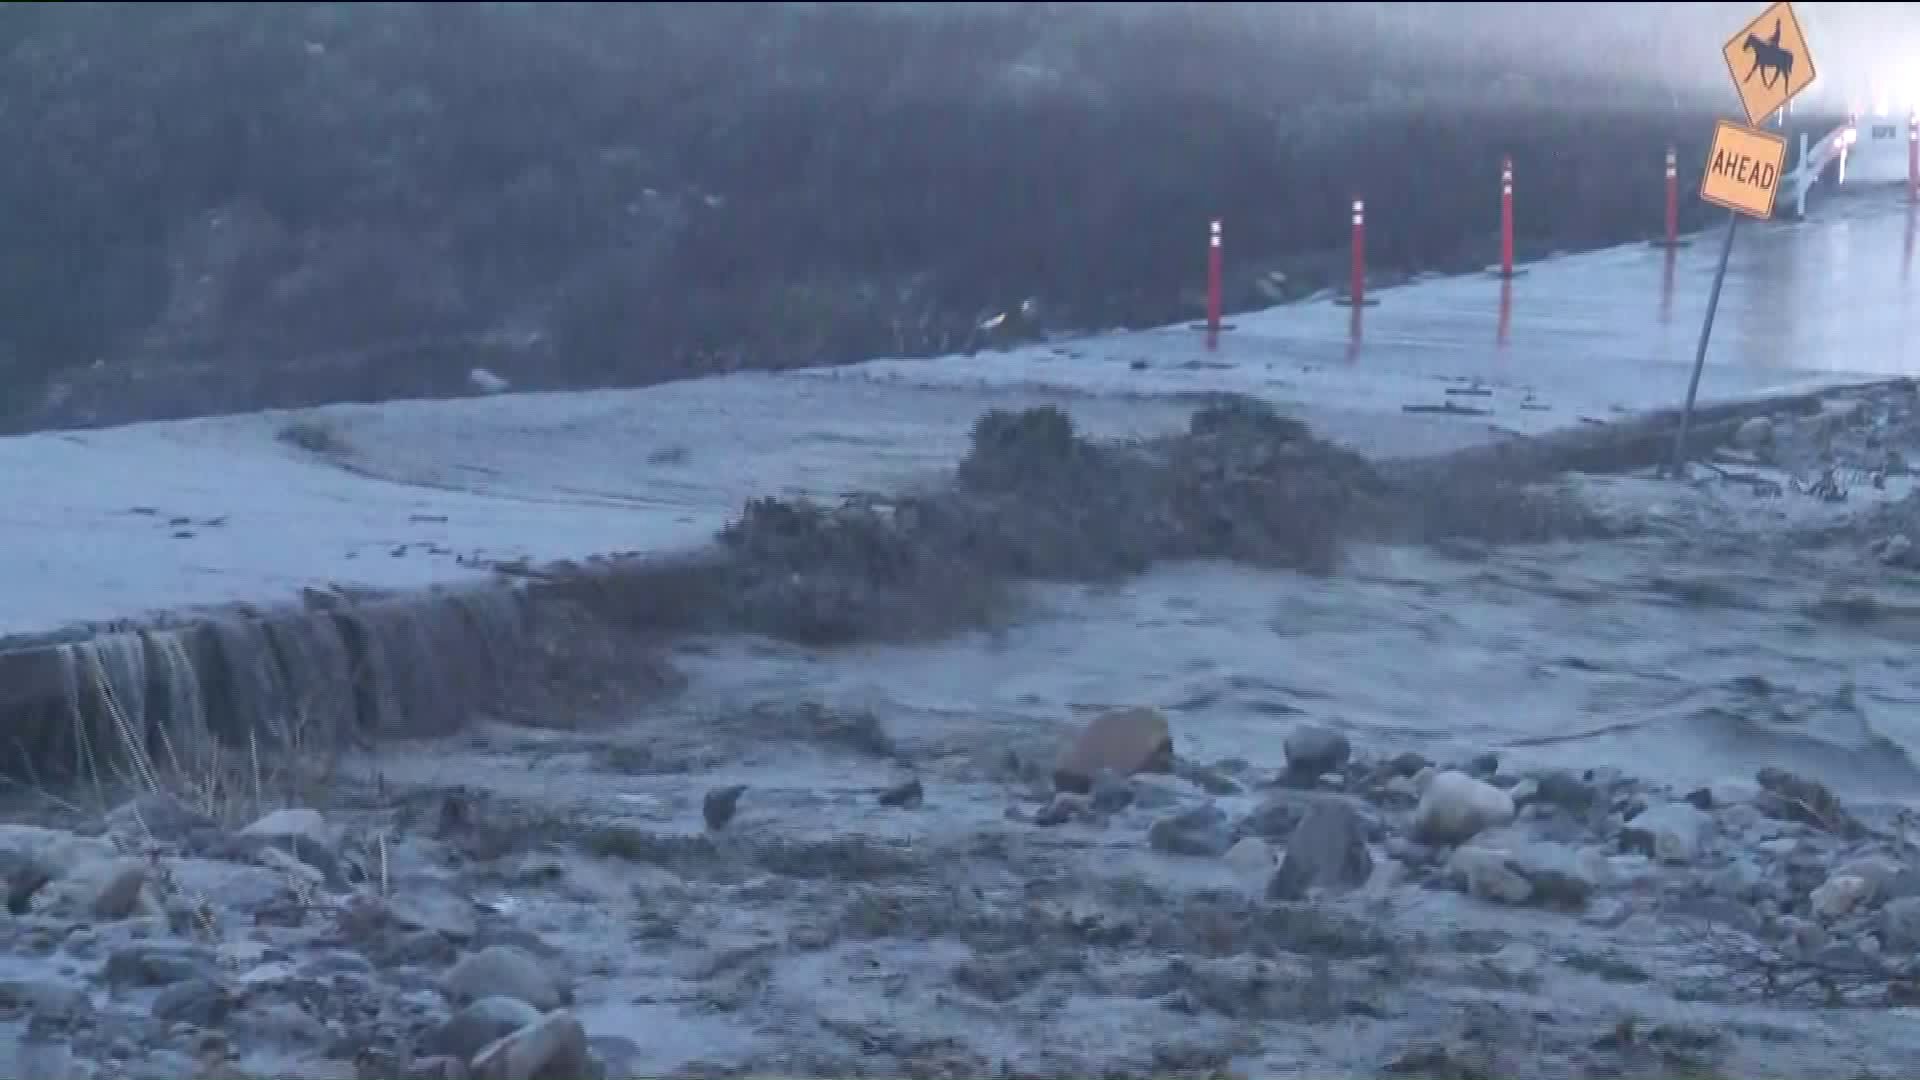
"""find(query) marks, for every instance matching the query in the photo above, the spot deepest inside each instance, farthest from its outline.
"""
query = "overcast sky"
(1858, 48)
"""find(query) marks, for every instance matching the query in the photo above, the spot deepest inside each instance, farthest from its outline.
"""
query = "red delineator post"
(1357, 281)
(1506, 217)
(1671, 239)
(1357, 278)
(1673, 197)
(1213, 284)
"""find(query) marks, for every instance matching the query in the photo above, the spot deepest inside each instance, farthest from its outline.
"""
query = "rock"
(335, 962)
(1740, 880)
(1516, 965)
(1800, 934)
(1564, 790)
(1328, 851)
(1795, 798)
(277, 1021)
(1207, 779)
(1313, 751)
(1483, 766)
(1488, 876)
(45, 996)
(1252, 860)
(436, 1068)
(1125, 741)
(503, 971)
(1062, 809)
(1413, 855)
(1558, 874)
(1606, 913)
(200, 1002)
(1895, 550)
(1900, 924)
(480, 1024)
(905, 796)
(1276, 817)
(617, 1056)
(1844, 956)
(158, 964)
(119, 891)
(1514, 869)
(1886, 877)
(158, 817)
(1201, 832)
(104, 890)
(241, 888)
(25, 879)
(1839, 895)
(421, 947)
(310, 869)
(425, 904)
(31, 850)
(293, 824)
(555, 1045)
(1674, 833)
(302, 833)
(1455, 807)
(720, 804)
(1405, 764)
(1753, 433)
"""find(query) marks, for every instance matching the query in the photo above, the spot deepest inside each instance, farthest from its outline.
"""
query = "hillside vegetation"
(212, 207)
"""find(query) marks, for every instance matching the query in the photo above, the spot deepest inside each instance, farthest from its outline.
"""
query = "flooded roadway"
(827, 932)
(1520, 650)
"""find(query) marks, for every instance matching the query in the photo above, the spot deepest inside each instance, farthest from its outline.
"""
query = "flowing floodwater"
(901, 889)
(828, 933)
(1647, 655)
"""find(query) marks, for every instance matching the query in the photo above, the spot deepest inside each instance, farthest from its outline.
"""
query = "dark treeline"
(225, 206)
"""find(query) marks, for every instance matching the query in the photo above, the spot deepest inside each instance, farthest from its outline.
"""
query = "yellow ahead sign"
(1769, 62)
(1743, 169)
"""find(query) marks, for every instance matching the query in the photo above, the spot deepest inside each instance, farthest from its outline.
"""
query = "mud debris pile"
(1035, 500)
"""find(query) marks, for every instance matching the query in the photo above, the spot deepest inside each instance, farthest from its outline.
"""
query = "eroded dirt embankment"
(1034, 500)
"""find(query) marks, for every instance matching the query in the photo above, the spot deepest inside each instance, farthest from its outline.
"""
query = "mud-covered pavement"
(1625, 799)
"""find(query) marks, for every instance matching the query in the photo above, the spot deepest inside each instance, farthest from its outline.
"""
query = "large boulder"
(1122, 741)
(1455, 807)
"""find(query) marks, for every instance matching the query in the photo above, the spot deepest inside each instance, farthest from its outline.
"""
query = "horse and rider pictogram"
(1769, 62)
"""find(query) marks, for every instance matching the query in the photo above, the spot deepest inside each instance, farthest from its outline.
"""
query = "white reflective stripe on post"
(1214, 239)
(1359, 212)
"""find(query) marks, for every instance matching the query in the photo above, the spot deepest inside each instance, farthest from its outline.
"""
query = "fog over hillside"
(217, 207)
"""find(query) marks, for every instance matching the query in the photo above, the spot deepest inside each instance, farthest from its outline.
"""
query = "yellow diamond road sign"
(1769, 62)
(1743, 169)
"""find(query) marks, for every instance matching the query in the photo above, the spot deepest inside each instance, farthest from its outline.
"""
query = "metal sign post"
(1770, 65)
